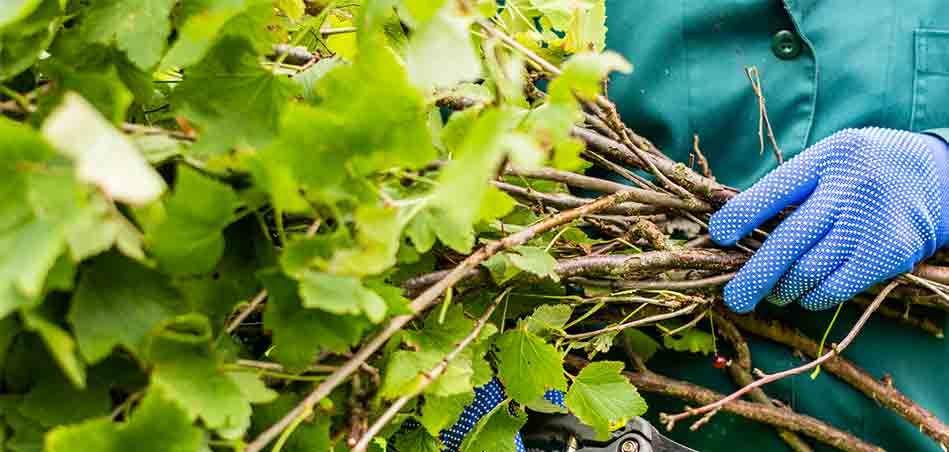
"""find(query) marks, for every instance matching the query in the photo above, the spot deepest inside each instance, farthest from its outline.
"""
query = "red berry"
(719, 362)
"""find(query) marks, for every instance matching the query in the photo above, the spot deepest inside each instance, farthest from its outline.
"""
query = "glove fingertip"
(738, 299)
(723, 232)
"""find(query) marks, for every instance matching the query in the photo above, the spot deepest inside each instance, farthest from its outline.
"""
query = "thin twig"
(423, 302)
(672, 419)
(763, 121)
(634, 323)
(928, 285)
(128, 127)
(700, 158)
(687, 325)
(251, 307)
(429, 377)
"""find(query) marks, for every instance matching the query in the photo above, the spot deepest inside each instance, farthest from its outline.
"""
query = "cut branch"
(886, 394)
(740, 370)
(706, 188)
(649, 197)
(648, 381)
(618, 266)
(835, 350)
(564, 201)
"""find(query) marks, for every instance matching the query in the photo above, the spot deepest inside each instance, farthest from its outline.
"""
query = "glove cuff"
(940, 153)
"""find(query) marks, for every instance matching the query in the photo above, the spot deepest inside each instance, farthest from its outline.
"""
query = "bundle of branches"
(373, 210)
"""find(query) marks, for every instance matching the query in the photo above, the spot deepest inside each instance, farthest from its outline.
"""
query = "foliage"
(162, 166)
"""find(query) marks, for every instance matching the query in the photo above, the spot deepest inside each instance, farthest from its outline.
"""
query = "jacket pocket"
(931, 83)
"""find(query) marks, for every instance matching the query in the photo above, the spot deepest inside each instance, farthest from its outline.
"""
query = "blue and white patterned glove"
(486, 398)
(873, 202)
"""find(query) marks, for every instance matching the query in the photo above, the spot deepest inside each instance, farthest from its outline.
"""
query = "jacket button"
(786, 45)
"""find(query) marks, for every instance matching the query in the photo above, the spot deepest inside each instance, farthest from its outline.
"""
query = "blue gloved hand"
(875, 202)
(486, 398)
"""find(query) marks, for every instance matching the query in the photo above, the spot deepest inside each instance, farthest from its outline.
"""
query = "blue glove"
(875, 202)
(486, 398)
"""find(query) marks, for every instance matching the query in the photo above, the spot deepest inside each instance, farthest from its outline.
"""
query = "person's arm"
(871, 204)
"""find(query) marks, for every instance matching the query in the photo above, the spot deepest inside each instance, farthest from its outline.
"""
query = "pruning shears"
(565, 433)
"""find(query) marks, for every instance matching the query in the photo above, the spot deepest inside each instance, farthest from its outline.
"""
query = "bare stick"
(428, 378)
(251, 307)
(671, 420)
(928, 285)
(424, 301)
(650, 197)
(700, 157)
(565, 201)
(511, 42)
(684, 284)
(763, 121)
(634, 323)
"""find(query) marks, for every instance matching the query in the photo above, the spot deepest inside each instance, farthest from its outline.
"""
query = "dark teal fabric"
(864, 63)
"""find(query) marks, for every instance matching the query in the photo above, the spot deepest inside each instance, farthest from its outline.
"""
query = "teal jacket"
(824, 65)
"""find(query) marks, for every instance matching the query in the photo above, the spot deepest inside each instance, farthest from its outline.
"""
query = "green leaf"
(102, 83)
(294, 9)
(439, 413)
(495, 204)
(528, 366)
(417, 440)
(16, 10)
(189, 239)
(583, 72)
(378, 230)
(441, 53)
(451, 211)
(399, 135)
(186, 369)
(692, 340)
(421, 11)
(603, 398)
(204, 20)
(23, 41)
(405, 373)
(9, 329)
(340, 295)
(534, 260)
(252, 388)
(405, 369)
(313, 434)
(140, 28)
(119, 302)
(77, 130)
(587, 30)
(60, 344)
(232, 99)
(548, 318)
(29, 252)
(494, 432)
(157, 425)
(641, 343)
(299, 334)
(54, 401)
